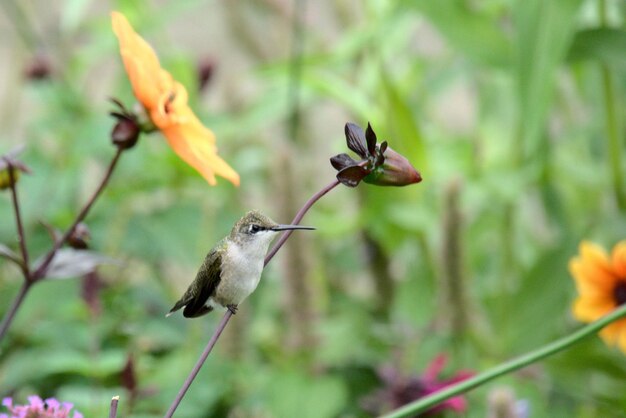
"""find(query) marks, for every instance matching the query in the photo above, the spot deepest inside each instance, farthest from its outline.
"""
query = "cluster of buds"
(380, 165)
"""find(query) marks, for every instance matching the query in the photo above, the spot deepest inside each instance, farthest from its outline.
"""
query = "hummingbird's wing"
(197, 295)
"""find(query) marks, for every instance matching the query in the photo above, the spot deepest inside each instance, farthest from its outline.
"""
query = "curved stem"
(41, 270)
(428, 402)
(299, 217)
(8, 317)
(218, 331)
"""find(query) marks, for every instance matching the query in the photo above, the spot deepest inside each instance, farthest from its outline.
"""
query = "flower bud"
(10, 169)
(39, 68)
(5, 177)
(78, 239)
(206, 70)
(395, 171)
(125, 133)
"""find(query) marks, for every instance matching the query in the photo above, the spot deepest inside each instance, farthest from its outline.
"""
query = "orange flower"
(165, 101)
(601, 284)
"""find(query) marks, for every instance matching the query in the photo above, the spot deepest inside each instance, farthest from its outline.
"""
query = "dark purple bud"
(370, 137)
(352, 176)
(206, 69)
(342, 161)
(125, 132)
(395, 171)
(356, 139)
(128, 376)
(39, 68)
(80, 236)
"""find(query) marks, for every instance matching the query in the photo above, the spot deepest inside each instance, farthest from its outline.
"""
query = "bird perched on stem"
(232, 269)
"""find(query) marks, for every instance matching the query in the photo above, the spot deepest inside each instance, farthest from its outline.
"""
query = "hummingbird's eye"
(254, 229)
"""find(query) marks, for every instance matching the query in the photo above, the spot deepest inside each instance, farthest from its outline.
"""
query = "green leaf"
(544, 30)
(600, 44)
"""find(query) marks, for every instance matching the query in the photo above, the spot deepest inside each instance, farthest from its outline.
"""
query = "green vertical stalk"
(613, 131)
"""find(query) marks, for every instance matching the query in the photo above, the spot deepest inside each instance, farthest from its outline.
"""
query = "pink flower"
(50, 408)
(399, 390)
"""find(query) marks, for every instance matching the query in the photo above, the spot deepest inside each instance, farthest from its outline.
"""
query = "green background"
(511, 110)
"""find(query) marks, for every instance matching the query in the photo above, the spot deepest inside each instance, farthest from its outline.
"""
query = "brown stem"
(18, 220)
(298, 218)
(113, 410)
(218, 331)
(41, 270)
(8, 318)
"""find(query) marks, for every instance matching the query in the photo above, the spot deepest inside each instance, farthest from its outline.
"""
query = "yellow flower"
(601, 283)
(165, 102)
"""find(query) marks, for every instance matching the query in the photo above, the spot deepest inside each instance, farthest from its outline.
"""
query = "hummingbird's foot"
(232, 308)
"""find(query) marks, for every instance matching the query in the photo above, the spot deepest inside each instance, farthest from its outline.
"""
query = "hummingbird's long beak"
(290, 227)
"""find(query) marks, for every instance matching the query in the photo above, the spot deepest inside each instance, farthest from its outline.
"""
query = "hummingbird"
(232, 269)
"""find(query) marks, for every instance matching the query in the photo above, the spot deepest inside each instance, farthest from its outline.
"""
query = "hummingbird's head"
(256, 228)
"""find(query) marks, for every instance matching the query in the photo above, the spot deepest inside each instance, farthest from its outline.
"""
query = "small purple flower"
(37, 408)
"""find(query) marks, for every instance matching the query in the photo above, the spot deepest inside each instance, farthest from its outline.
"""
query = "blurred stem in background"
(298, 307)
(454, 293)
(613, 123)
(379, 265)
(564, 343)
(297, 287)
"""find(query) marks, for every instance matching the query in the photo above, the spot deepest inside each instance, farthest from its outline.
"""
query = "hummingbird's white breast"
(241, 270)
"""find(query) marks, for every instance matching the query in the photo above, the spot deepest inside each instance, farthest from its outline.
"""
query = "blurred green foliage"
(498, 103)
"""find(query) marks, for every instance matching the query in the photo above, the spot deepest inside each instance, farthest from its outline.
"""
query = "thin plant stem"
(218, 331)
(18, 220)
(564, 343)
(113, 410)
(40, 273)
(196, 369)
(17, 302)
(41, 270)
(299, 217)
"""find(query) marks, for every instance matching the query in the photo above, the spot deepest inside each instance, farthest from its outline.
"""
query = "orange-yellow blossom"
(165, 101)
(601, 283)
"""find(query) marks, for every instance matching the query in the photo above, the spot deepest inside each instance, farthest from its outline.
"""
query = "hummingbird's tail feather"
(192, 311)
(177, 306)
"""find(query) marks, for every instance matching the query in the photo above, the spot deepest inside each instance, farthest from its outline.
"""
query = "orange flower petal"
(590, 279)
(198, 152)
(621, 342)
(594, 254)
(587, 309)
(140, 61)
(165, 101)
(613, 333)
(618, 259)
